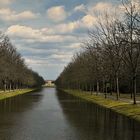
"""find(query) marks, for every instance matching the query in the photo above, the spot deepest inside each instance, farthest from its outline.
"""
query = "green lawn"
(122, 107)
(8, 94)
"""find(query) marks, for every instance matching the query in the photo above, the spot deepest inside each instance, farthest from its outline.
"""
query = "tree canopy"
(110, 61)
(14, 73)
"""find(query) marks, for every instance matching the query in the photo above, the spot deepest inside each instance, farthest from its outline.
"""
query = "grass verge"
(124, 108)
(5, 95)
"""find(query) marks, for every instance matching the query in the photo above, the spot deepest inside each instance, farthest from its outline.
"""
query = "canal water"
(49, 114)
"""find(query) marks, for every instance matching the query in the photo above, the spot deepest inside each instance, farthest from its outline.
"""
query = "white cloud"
(57, 13)
(36, 35)
(52, 45)
(66, 27)
(135, 3)
(81, 8)
(60, 57)
(88, 21)
(94, 12)
(7, 14)
(23, 32)
(5, 2)
(75, 46)
(102, 6)
(31, 61)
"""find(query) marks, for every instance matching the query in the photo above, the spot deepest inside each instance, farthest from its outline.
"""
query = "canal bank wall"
(128, 109)
(8, 94)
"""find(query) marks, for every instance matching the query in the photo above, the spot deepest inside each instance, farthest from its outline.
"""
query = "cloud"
(85, 22)
(99, 7)
(57, 13)
(88, 21)
(94, 12)
(48, 44)
(75, 46)
(57, 59)
(66, 27)
(135, 3)
(23, 32)
(38, 51)
(36, 35)
(5, 2)
(7, 14)
(48, 70)
(102, 6)
(62, 57)
(31, 61)
(81, 8)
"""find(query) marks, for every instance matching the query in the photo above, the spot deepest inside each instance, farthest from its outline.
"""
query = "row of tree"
(14, 74)
(110, 60)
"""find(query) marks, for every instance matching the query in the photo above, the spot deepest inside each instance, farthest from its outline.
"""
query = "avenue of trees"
(14, 74)
(110, 59)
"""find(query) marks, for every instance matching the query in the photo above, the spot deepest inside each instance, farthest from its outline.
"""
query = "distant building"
(49, 83)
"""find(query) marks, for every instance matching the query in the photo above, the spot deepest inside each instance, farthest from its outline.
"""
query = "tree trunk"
(103, 85)
(91, 89)
(105, 90)
(10, 86)
(111, 87)
(82, 87)
(4, 85)
(131, 88)
(134, 89)
(86, 87)
(79, 88)
(117, 86)
(17, 86)
(97, 87)
(114, 85)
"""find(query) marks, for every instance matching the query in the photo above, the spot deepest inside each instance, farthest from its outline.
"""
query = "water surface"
(49, 114)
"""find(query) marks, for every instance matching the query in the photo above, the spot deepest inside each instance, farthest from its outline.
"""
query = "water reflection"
(12, 113)
(20, 103)
(49, 114)
(93, 122)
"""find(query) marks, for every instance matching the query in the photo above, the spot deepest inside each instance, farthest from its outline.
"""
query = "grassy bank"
(7, 94)
(122, 107)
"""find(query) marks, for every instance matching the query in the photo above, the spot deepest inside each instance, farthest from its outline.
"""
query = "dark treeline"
(110, 60)
(14, 74)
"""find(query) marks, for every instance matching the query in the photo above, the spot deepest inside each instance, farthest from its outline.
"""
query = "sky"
(48, 32)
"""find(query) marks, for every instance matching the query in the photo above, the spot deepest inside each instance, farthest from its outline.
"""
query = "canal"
(49, 114)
